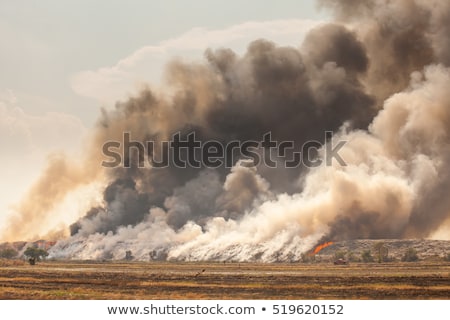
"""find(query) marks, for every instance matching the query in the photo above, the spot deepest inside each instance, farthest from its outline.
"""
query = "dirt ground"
(176, 280)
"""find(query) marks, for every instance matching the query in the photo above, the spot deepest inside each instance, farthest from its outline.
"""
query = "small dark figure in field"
(199, 273)
(32, 261)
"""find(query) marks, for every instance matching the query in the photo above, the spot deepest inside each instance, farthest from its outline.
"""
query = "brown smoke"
(400, 36)
(59, 178)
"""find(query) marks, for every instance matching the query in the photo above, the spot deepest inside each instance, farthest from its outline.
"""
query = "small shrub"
(307, 258)
(8, 253)
(339, 255)
(381, 252)
(410, 255)
(352, 257)
(366, 256)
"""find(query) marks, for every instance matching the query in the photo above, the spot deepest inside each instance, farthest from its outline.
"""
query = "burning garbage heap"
(377, 77)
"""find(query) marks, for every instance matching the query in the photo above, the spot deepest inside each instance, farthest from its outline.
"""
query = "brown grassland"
(185, 280)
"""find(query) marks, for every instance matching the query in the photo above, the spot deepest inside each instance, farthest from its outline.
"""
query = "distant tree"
(381, 251)
(410, 255)
(366, 256)
(35, 253)
(8, 253)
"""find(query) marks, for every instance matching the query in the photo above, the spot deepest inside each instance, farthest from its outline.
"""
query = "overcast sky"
(60, 61)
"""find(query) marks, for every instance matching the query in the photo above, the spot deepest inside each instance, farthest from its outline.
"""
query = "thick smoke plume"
(377, 77)
(61, 176)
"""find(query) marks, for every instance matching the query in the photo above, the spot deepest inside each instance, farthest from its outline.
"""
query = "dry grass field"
(170, 280)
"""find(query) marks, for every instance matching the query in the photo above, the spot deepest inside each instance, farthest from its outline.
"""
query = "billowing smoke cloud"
(61, 176)
(377, 77)
(400, 37)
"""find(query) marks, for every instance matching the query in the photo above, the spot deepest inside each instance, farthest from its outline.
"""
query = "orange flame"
(321, 246)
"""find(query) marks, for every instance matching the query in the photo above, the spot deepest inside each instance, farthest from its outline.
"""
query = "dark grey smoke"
(400, 36)
(124, 206)
(296, 96)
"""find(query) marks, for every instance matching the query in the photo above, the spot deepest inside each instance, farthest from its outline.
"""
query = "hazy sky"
(61, 61)
(44, 42)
